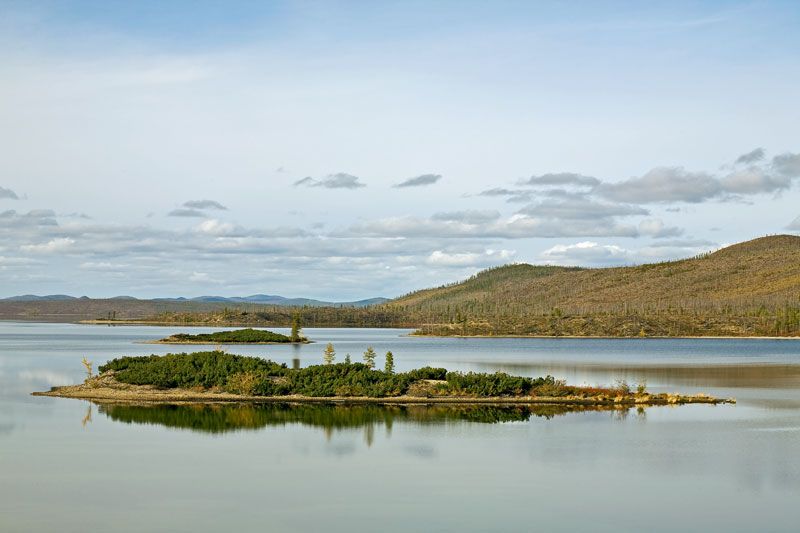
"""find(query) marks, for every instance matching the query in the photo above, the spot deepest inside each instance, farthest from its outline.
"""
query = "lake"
(69, 465)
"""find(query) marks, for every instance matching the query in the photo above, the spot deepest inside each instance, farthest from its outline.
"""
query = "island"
(239, 336)
(216, 376)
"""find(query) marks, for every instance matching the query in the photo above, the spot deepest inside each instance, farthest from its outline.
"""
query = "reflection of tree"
(369, 434)
(222, 418)
(87, 419)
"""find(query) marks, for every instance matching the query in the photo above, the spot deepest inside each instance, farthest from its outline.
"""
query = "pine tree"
(329, 354)
(347, 359)
(369, 357)
(296, 328)
(389, 367)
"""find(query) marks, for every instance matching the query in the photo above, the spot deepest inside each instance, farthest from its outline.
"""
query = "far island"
(239, 336)
(216, 376)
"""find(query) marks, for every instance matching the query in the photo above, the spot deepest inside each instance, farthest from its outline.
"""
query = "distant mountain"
(35, 298)
(261, 299)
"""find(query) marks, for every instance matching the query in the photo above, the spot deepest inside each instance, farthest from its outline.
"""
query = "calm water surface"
(68, 465)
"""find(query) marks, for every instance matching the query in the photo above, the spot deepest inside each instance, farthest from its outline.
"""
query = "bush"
(497, 384)
(427, 372)
(253, 376)
(199, 369)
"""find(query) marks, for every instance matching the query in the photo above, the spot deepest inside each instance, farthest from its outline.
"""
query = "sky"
(347, 150)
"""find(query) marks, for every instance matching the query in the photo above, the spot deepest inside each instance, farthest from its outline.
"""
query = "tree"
(295, 336)
(389, 367)
(329, 354)
(347, 359)
(88, 366)
(369, 357)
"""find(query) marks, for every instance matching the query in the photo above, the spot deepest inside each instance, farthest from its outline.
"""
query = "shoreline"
(422, 335)
(116, 391)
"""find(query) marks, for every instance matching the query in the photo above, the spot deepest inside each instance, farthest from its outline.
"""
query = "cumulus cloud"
(8, 194)
(36, 217)
(590, 253)
(587, 252)
(750, 175)
(655, 227)
(204, 204)
(473, 259)
(582, 208)
(751, 157)
(561, 178)
(59, 244)
(787, 164)
(519, 226)
(663, 184)
(420, 181)
(187, 213)
(340, 180)
(511, 195)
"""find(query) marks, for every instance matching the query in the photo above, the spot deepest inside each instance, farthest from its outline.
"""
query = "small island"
(216, 376)
(239, 336)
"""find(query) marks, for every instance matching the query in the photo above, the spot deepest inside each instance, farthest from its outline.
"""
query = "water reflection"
(223, 418)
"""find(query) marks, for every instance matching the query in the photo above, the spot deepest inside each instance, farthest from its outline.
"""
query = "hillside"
(754, 281)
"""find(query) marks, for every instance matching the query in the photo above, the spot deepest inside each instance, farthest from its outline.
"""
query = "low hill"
(758, 277)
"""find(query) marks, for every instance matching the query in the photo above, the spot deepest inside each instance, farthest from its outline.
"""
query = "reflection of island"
(222, 418)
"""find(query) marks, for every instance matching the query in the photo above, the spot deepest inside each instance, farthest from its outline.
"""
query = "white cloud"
(216, 227)
(586, 253)
(59, 244)
(473, 259)
(655, 227)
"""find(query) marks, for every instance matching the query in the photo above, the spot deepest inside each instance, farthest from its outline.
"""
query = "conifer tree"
(329, 354)
(295, 336)
(347, 359)
(389, 366)
(369, 357)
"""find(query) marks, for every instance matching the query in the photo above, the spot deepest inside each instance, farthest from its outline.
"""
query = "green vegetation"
(389, 365)
(295, 335)
(252, 376)
(239, 336)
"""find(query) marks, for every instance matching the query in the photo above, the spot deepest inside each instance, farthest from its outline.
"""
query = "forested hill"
(749, 289)
(755, 278)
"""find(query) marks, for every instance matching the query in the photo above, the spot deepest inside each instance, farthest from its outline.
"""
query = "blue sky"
(186, 148)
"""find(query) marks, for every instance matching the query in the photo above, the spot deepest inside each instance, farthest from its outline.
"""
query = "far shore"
(421, 335)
